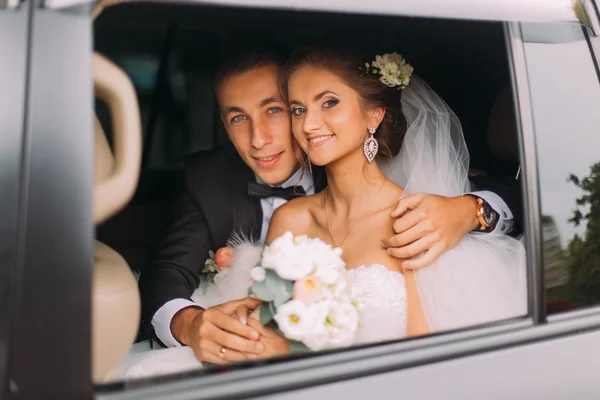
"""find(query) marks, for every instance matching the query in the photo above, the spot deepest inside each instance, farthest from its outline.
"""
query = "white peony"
(295, 258)
(309, 290)
(258, 274)
(296, 320)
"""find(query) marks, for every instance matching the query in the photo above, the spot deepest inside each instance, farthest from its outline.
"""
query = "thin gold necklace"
(357, 219)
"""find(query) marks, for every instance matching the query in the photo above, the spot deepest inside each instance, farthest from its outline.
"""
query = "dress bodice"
(383, 293)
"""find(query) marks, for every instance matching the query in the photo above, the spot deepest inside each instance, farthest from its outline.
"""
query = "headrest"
(502, 127)
(105, 160)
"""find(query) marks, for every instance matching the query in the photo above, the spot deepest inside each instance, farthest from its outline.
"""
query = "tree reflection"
(582, 255)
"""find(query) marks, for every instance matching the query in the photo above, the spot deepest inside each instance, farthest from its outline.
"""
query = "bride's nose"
(312, 122)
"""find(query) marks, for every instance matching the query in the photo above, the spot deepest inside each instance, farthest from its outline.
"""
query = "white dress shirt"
(161, 321)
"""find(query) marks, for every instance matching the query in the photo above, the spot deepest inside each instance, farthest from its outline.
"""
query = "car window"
(178, 98)
(565, 96)
(174, 84)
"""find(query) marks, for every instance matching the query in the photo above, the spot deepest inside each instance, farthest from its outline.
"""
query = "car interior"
(153, 77)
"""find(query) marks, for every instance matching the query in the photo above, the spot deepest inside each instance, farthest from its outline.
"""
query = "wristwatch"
(486, 215)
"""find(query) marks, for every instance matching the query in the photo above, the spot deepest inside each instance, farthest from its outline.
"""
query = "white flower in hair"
(394, 70)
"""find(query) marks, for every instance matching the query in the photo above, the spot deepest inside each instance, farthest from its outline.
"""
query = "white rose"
(296, 320)
(327, 275)
(293, 269)
(258, 274)
(317, 340)
(344, 316)
(341, 338)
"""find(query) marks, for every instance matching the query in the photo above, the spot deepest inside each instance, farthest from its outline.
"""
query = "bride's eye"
(330, 103)
(298, 112)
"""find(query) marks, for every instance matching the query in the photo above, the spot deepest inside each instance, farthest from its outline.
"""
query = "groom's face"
(258, 123)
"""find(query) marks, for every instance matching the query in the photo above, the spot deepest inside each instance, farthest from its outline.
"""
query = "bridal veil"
(483, 278)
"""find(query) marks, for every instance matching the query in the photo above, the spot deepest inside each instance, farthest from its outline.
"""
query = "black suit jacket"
(215, 203)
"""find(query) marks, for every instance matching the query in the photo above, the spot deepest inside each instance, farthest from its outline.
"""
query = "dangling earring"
(309, 165)
(371, 146)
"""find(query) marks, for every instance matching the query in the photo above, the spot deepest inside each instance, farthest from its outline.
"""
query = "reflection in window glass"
(567, 116)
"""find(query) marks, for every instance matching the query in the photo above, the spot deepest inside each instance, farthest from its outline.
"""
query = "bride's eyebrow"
(323, 93)
(316, 98)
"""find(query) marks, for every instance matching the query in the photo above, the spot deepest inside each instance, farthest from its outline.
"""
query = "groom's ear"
(376, 116)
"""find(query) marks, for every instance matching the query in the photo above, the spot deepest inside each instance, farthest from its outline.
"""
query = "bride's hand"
(435, 224)
(275, 345)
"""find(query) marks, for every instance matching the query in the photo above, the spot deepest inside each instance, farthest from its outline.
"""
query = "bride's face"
(328, 120)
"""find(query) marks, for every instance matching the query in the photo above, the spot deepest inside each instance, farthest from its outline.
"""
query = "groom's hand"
(209, 331)
(431, 223)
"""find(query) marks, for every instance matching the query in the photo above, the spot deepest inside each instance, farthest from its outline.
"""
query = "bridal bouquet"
(306, 293)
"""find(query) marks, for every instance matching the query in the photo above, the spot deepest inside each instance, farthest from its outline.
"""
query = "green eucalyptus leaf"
(265, 313)
(260, 289)
(279, 287)
(211, 254)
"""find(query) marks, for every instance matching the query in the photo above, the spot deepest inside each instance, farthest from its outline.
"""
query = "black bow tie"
(263, 191)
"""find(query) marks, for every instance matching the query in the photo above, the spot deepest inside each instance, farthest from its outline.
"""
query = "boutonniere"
(217, 262)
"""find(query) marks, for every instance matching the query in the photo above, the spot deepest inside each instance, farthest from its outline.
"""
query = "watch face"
(489, 215)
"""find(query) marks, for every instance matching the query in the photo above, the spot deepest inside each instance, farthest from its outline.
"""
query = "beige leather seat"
(115, 296)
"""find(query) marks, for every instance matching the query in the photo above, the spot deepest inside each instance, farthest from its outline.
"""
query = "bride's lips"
(268, 161)
(316, 141)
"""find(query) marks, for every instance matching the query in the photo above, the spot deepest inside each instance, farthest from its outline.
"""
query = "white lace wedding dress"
(383, 293)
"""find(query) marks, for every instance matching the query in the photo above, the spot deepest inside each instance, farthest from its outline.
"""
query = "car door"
(47, 233)
(49, 337)
(14, 28)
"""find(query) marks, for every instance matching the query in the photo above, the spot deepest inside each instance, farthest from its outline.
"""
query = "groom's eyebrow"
(269, 100)
(233, 109)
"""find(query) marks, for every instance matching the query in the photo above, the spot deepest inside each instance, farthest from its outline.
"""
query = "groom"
(239, 188)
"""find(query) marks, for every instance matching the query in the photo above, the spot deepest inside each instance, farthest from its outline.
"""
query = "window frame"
(593, 41)
(362, 362)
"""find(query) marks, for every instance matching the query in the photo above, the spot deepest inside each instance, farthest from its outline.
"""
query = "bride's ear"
(376, 116)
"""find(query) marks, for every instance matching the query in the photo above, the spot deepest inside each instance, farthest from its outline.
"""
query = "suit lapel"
(246, 212)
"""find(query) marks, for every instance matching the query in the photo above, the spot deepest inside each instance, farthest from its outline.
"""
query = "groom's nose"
(260, 134)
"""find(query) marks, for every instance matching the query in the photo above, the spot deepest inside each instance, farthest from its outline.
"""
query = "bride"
(382, 133)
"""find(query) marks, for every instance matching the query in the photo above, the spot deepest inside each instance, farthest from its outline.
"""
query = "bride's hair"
(343, 57)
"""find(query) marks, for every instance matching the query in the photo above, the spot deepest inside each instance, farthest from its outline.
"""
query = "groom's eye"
(274, 110)
(238, 118)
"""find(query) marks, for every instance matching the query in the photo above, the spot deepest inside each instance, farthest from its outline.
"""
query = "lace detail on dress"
(383, 293)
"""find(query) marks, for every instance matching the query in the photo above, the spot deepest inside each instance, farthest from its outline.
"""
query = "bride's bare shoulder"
(295, 216)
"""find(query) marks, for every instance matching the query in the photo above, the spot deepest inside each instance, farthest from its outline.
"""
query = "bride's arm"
(416, 321)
